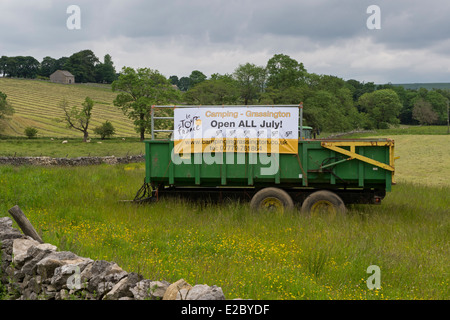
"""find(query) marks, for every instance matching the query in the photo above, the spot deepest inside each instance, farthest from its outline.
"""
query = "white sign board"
(236, 129)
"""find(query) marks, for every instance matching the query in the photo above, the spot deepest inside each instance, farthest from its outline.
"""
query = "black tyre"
(272, 199)
(323, 203)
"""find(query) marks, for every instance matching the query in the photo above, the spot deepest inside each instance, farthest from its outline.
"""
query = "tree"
(174, 80)
(139, 90)
(30, 67)
(184, 83)
(211, 92)
(326, 82)
(225, 77)
(105, 72)
(106, 130)
(82, 65)
(291, 95)
(423, 112)
(20, 66)
(62, 63)
(325, 112)
(78, 119)
(3, 65)
(382, 106)
(284, 72)
(359, 88)
(439, 105)
(410, 97)
(10, 68)
(196, 77)
(251, 81)
(5, 108)
(48, 66)
(31, 132)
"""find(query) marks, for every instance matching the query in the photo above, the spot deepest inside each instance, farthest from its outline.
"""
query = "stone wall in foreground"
(30, 270)
(80, 161)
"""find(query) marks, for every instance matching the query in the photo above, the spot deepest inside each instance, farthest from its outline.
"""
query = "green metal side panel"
(294, 170)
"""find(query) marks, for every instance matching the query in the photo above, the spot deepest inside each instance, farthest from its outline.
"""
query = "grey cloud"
(404, 23)
(238, 30)
(322, 21)
(413, 24)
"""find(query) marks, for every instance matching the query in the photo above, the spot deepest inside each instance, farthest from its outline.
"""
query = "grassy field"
(276, 256)
(36, 105)
(22, 147)
(403, 130)
(272, 257)
(424, 153)
(423, 159)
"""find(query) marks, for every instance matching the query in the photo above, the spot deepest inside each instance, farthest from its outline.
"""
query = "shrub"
(31, 132)
(106, 130)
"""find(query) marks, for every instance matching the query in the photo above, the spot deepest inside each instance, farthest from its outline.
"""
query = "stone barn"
(62, 76)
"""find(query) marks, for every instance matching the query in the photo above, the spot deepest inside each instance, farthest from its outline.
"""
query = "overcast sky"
(215, 36)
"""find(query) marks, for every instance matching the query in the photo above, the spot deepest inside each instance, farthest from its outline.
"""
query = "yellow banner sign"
(236, 129)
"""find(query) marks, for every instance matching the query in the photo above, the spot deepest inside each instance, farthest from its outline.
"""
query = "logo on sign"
(190, 124)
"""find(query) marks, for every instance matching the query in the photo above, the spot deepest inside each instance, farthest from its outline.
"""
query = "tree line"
(84, 65)
(330, 103)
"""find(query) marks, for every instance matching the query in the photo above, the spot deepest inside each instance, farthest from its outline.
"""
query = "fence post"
(24, 223)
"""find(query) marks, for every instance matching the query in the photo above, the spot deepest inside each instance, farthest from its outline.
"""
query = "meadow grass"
(271, 256)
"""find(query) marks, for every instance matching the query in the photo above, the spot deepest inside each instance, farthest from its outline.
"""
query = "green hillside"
(36, 104)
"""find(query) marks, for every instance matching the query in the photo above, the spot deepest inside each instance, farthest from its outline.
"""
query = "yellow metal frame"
(336, 146)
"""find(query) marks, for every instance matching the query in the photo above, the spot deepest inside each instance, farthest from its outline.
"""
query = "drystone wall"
(80, 161)
(31, 270)
(340, 134)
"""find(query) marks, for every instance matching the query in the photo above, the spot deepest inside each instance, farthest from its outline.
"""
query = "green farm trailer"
(325, 175)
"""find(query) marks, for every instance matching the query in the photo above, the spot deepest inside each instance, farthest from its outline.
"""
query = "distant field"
(424, 153)
(36, 104)
(423, 159)
(402, 130)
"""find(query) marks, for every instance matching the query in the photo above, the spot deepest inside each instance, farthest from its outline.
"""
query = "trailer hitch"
(145, 193)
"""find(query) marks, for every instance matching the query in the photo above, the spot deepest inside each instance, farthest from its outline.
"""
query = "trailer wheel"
(323, 203)
(272, 199)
